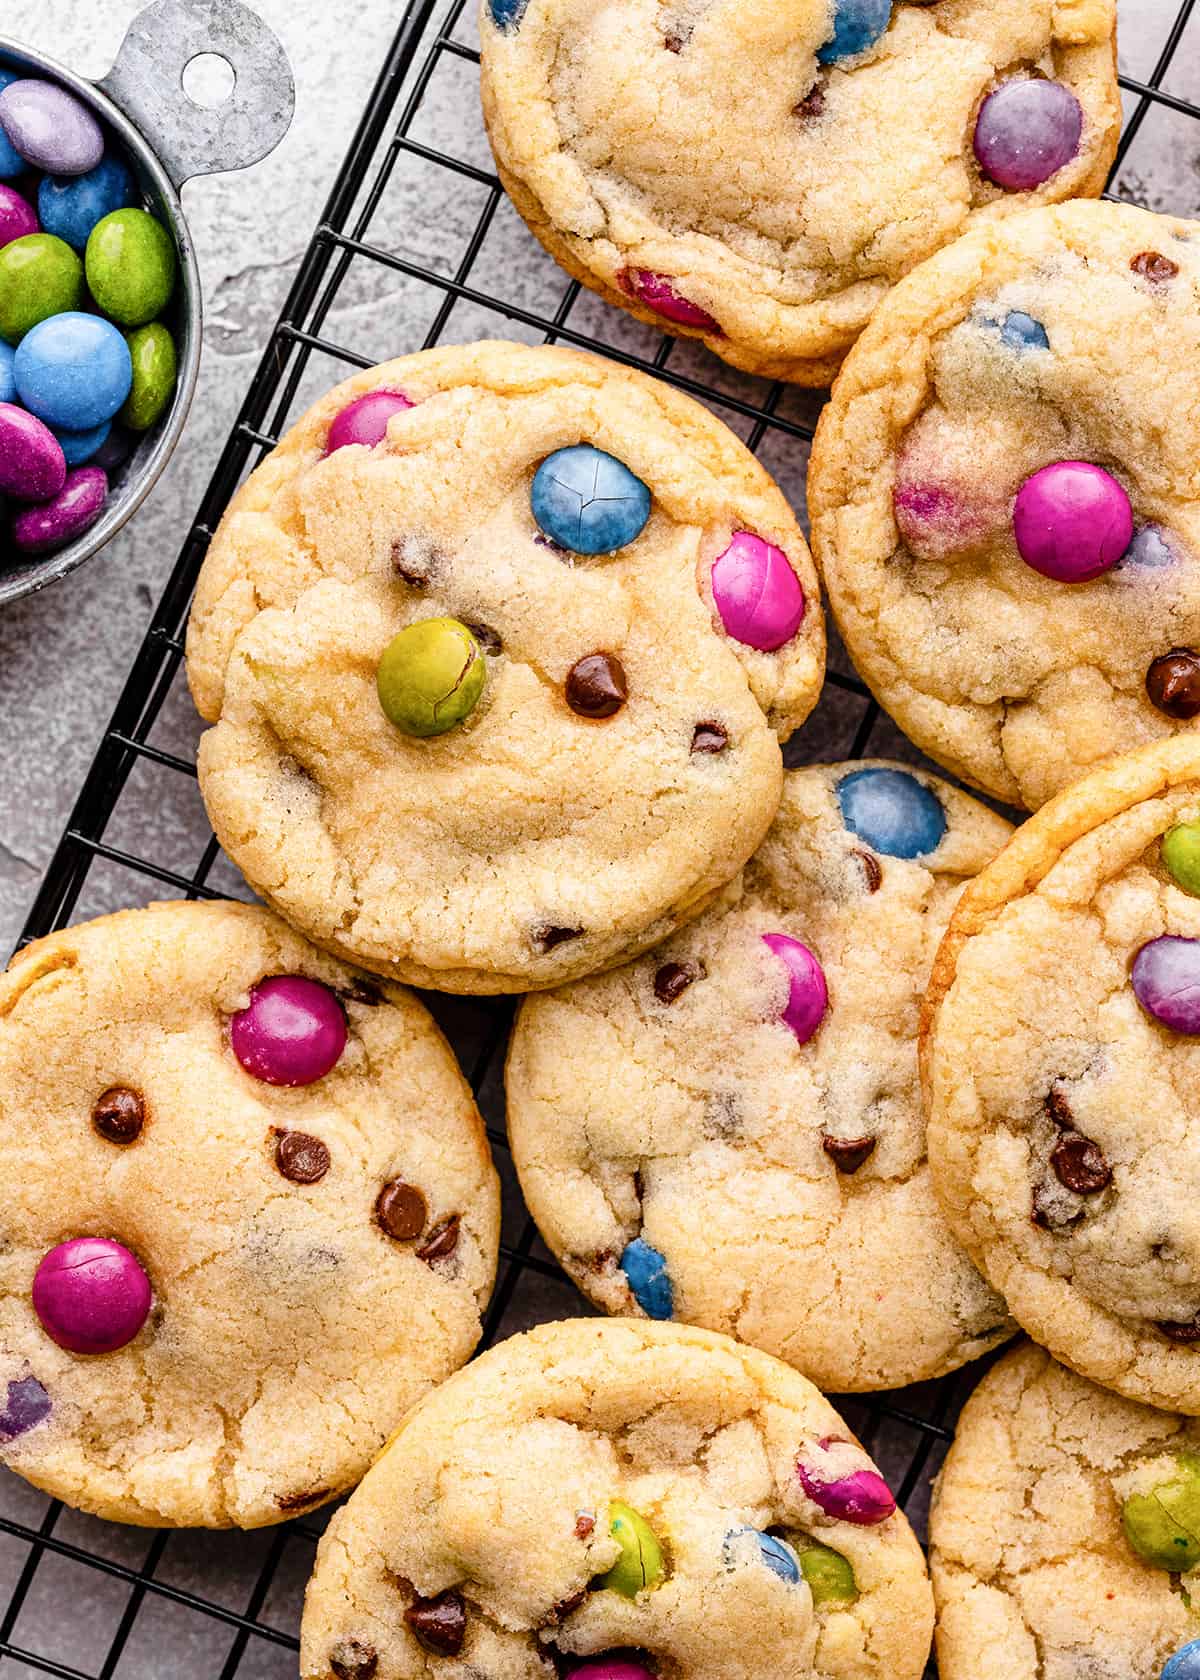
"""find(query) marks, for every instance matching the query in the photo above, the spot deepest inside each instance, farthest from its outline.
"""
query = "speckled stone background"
(64, 654)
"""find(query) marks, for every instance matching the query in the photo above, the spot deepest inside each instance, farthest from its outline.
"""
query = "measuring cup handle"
(147, 83)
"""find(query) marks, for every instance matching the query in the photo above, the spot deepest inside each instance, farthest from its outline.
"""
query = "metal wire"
(234, 1598)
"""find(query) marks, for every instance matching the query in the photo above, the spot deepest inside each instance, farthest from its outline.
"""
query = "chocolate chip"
(543, 541)
(350, 1659)
(302, 1158)
(596, 686)
(443, 1240)
(410, 563)
(546, 936)
(674, 43)
(1059, 1109)
(119, 1114)
(489, 640)
(871, 869)
(1152, 265)
(585, 1525)
(299, 1501)
(1173, 683)
(848, 1154)
(812, 105)
(440, 1623)
(674, 978)
(363, 991)
(1185, 1333)
(565, 1606)
(401, 1210)
(710, 737)
(639, 1185)
(1079, 1164)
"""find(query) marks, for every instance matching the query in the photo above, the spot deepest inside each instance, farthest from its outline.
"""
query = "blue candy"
(1185, 1664)
(857, 25)
(1148, 548)
(8, 386)
(1021, 332)
(12, 163)
(778, 1556)
(646, 1270)
(588, 501)
(73, 370)
(70, 206)
(506, 14)
(79, 447)
(892, 812)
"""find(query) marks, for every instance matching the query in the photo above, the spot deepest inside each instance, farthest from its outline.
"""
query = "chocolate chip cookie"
(249, 1216)
(498, 647)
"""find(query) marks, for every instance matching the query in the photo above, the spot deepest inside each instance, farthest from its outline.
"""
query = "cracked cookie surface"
(494, 1502)
(1063, 1128)
(721, 169)
(287, 1331)
(1034, 1576)
(575, 816)
(1067, 335)
(667, 1106)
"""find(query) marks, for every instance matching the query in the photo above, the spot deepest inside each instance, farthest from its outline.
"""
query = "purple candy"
(32, 465)
(292, 1031)
(808, 995)
(28, 1405)
(758, 595)
(609, 1668)
(658, 293)
(861, 1497)
(365, 420)
(17, 216)
(91, 1295)
(116, 449)
(1166, 982)
(50, 128)
(1072, 521)
(1026, 131)
(73, 511)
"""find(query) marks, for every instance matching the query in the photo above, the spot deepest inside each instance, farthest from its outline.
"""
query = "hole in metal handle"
(209, 80)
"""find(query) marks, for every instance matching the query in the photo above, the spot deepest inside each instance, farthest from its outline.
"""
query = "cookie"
(1061, 1061)
(249, 1217)
(729, 1131)
(758, 173)
(616, 1501)
(1005, 498)
(1063, 1533)
(499, 645)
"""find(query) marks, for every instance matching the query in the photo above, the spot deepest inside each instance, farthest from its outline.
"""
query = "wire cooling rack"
(87, 1600)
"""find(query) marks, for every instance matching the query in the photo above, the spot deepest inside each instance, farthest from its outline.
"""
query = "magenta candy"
(32, 465)
(658, 293)
(1072, 521)
(292, 1031)
(610, 1668)
(66, 516)
(757, 593)
(365, 420)
(1026, 131)
(91, 1295)
(861, 1497)
(1166, 982)
(50, 128)
(808, 995)
(17, 215)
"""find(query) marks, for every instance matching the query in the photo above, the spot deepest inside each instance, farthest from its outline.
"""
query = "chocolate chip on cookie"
(674, 978)
(119, 1114)
(302, 1158)
(401, 1210)
(440, 1624)
(443, 1240)
(596, 686)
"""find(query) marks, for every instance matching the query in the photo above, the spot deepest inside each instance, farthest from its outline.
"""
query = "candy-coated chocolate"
(155, 369)
(830, 1576)
(615, 1668)
(1185, 1664)
(17, 216)
(1163, 1524)
(40, 276)
(861, 1496)
(1072, 521)
(27, 1404)
(506, 14)
(12, 163)
(430, 677)
(1166, 982)
(130, 265)
(75, 509)
(32, 465)
(80, 447)
(659, 293)
(365, 420)
(649, 1281)
(73, 370)
(8, 385)
(757, 594)
(1180, 853)
(50, 128)
(1026, 131)
(892, 812)
(1150, 547)
(857, 25)
(587, 501)
(91, 1295)
(70, 206)
(114, 451)
(640, 1567)
(292, 1032)
(763, 1548)
(808, 996)
(1021, 332)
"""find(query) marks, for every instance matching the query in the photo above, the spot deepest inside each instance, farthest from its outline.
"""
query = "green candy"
(640, 1567)
(40, 276)
(1180, 852)
(830, 1576)
(152, 350)
(1163, 1526)
(431, 676)
(130, 263)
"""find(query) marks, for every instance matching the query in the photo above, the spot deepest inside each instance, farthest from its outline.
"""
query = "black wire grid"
(140, 1604)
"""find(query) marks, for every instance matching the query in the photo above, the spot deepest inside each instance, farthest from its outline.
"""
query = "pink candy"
(291, 1033)
(657, 293)
(91, 1295)
(757, 593)
(32, 465)
(609, 1668)
(1072, 521)
(365, 420)
(808, 995)
(17, 215)
(861, 1496)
